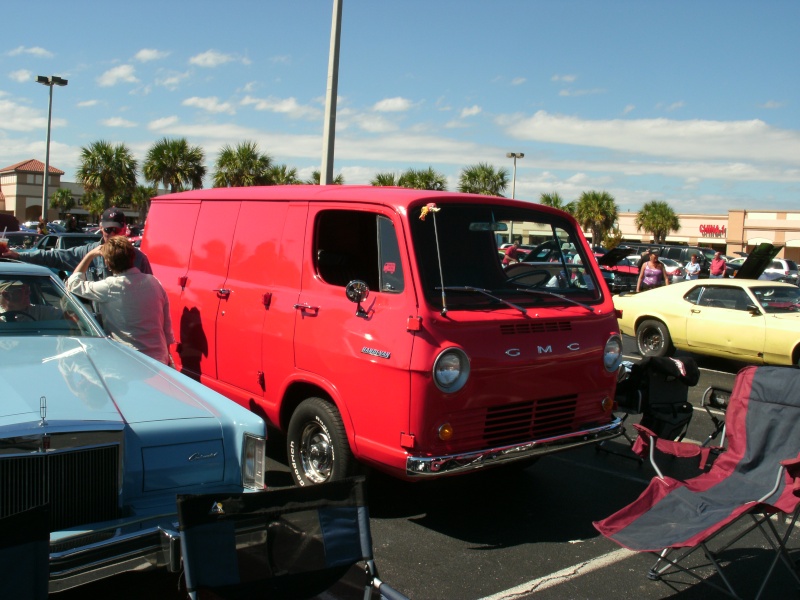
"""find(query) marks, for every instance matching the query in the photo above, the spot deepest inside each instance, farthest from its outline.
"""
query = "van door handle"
(307, 307)
(222, 291)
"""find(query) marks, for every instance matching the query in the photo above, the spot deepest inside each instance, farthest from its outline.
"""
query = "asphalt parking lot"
(516, 534)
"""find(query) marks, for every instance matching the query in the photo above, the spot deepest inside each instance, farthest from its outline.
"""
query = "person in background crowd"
(72, 224)
(112, 223)
(134, 305)
(646, 256)
(511, 254)
(42, 228)
(717, 267)
(652, 274)
(692, 268)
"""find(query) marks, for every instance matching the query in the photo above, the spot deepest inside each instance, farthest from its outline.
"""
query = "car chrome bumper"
(417, 466)
(83, 559)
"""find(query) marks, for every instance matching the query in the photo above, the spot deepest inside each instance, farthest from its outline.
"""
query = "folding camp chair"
(715, 398)
(756, 477)
(658, 389)
(25, 554)
(290, 543)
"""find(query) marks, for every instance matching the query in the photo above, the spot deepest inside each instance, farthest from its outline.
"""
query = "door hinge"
(407, 440)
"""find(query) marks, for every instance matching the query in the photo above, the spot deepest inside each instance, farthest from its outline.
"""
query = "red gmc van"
(379, 326)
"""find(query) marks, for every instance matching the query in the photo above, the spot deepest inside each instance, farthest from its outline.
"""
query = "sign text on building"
(712, 230)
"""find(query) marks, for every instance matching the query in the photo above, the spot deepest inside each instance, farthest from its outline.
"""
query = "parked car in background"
(62, 241)
(22, 240)
(741, 319)
(105, 436)
(675, 270)
(622, 265)
(782, 269)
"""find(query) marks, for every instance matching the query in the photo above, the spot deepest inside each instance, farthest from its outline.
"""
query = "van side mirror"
(357, 291)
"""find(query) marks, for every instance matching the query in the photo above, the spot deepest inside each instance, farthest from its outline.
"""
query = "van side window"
(358, 245)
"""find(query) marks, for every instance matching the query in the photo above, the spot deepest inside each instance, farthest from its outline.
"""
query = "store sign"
(712, 230)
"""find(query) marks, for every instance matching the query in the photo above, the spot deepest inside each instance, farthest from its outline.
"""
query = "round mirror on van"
(357, 290)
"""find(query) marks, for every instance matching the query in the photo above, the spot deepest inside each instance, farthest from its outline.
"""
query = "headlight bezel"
(444, 369)
(612, 359)
(254, 462)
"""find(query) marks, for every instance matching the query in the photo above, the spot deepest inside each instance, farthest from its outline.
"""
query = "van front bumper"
(427, 466)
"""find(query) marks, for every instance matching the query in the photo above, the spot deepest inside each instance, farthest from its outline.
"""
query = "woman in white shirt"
(692, 268)
(133, 305)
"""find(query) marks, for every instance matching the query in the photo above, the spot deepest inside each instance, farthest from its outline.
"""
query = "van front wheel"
(316, 444)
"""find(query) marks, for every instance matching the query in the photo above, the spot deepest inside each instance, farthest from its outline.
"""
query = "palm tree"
(483, 179)
(62, 199)
(94, 203)
(108, 169)
(554, 200)
(427, 179)
(315, 178)
(141, 199)
(385, 180)
(175, 165)
(597, 212)
(242, 166)
(283, 175)
(658, 218)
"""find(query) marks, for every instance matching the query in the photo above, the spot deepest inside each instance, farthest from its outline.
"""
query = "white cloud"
(211, 104)
(738, 141)
(171, 81)
(564, 78)
(396, 104)
(676, 105)
(577, 93)
(372, 123)
(148, 54)
(470, 111)
(21, 76)
(87, 104)
(628, 109)
(772, 104)
(162, 123)
(122, 73)
(117, 122)
(35, 51)
(518, 81)
(210, 59)
(16, 117)
(286, 106)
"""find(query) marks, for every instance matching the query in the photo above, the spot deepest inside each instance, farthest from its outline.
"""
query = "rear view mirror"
(478, 226)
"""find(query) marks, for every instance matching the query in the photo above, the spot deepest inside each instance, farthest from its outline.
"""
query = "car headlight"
(612, 353)
(451, 370)
(253, 461)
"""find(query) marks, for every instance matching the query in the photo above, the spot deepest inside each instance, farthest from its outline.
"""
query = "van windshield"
(467, 262)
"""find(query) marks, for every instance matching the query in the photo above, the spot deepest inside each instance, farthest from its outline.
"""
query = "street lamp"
(515, 156)
(49, 82)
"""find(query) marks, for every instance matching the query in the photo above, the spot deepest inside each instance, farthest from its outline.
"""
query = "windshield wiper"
(543, 293)
(467, 288)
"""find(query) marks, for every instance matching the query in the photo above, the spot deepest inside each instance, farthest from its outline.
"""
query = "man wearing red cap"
(112, 223)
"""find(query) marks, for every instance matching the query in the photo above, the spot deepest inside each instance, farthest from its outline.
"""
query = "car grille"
(526, 421)
(80, 486)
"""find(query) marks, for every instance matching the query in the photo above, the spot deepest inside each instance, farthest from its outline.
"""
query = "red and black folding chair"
(289, 544)
(758, 476)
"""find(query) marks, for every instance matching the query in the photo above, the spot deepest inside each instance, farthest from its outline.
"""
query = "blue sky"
(692, 102)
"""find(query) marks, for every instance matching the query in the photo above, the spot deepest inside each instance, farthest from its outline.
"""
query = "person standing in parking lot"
(134, 305)
(717, 268)
(652, 274)
(692, 268)
(112, 223)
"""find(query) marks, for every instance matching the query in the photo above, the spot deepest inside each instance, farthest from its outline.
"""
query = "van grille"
(525, 421)
(80, 486)
(537, 327)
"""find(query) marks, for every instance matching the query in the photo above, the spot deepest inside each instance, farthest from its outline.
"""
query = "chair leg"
(780, 551)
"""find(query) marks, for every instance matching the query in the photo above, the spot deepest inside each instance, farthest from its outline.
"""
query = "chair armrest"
(648, 442)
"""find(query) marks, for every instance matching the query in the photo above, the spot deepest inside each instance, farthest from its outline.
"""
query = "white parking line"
(563, 575)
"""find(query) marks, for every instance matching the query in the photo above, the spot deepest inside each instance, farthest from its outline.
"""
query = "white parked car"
(674, 269)
(105, 437)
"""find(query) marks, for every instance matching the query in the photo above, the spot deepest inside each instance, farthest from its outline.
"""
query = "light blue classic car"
(106, 437)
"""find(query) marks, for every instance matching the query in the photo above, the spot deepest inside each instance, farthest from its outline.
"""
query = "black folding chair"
(25, 554)
(290, 544)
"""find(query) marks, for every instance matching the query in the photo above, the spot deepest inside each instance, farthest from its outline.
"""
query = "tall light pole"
(49, 82)
(515, 156)
(329, 129)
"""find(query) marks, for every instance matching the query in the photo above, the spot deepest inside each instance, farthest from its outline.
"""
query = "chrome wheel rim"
(316, 453)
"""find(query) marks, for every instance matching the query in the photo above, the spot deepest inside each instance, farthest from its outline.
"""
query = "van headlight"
(451, 370)
(612, 353)
(254, 453)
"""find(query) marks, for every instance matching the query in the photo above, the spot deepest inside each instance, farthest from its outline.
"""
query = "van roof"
(342, 193)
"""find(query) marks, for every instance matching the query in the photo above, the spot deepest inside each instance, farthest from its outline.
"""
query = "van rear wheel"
(316, 444)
